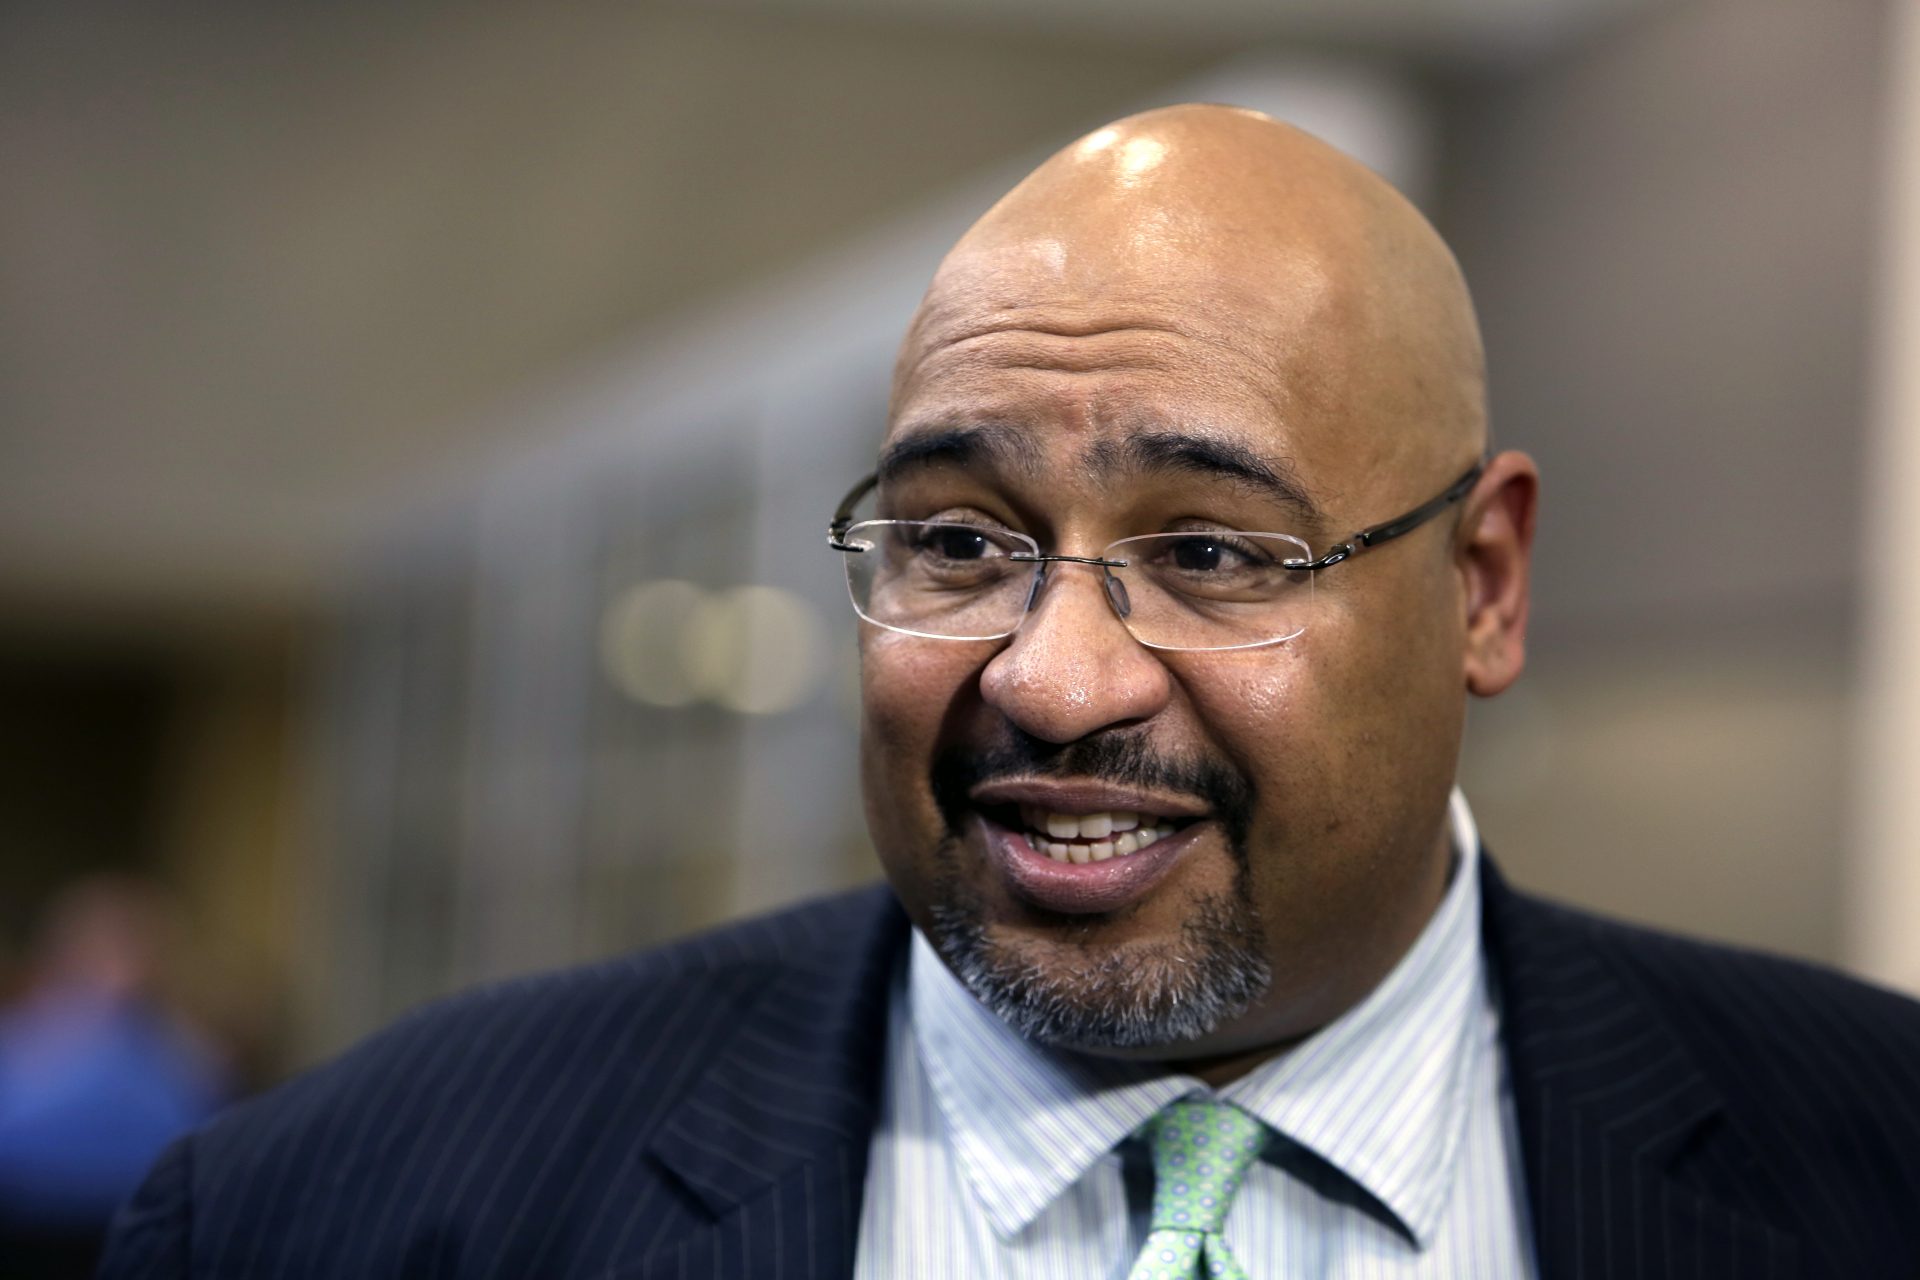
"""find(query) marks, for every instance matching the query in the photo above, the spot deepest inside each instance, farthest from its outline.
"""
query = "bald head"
(1290, 263)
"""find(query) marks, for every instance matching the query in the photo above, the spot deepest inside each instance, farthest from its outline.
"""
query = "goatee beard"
(1081, 995)
(1124, 998)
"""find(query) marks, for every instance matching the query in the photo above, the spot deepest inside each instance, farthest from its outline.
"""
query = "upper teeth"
(1096, 836)
(1074, 826)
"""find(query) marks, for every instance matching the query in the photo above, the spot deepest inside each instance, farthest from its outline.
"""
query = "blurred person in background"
(97, 1074)
(1189, 547)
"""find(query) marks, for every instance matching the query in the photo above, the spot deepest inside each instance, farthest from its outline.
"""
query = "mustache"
(1123, 758)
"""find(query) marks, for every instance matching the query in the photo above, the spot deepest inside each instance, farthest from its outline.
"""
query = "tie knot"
(1201, 1152)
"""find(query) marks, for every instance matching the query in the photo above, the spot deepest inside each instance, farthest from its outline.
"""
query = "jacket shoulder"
(556, 1023)
(561, 1020)
(1734, 1002)
(1818, 1071)
(542, 1090)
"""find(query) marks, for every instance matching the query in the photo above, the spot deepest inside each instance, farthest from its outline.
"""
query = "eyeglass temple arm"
(1393, 528)
(843, 514)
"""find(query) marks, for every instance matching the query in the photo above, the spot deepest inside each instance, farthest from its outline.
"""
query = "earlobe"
(1494, 554)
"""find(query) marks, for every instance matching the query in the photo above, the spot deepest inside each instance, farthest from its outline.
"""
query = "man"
(97, 1074)
(1183, 548)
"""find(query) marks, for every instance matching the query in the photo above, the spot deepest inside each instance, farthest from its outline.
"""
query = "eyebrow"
(957, 446)
(1146, 451)
(1211, 456)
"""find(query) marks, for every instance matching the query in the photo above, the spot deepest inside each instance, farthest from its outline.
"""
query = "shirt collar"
(1025, 1122)
(1380, 1093)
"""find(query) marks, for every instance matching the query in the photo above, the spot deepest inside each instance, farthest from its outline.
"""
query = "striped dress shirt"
(1397, 1154)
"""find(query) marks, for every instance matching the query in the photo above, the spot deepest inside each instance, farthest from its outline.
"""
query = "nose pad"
(1117, 593)
(1033, 588)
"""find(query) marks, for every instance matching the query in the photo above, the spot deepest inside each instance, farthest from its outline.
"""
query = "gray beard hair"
(1119, 1000)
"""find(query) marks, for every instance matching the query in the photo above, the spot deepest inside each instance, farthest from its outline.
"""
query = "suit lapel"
(1608, 1100)
(772, 1141)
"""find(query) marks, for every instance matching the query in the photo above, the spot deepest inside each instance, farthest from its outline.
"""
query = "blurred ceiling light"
(756, 650)
(642, 641)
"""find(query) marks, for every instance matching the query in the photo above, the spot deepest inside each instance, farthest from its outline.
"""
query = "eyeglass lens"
(1200, 590)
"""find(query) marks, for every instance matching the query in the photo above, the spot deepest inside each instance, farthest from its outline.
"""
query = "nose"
(1072, 668)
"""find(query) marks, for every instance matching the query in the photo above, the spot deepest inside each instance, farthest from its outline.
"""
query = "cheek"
(906, 685)
(1255, 708)
(1327, 727)
(1262, 696)
(1391, 646)
(909, 688)
(1368, 727)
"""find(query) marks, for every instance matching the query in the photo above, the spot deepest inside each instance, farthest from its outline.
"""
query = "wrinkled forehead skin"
(1274, 265)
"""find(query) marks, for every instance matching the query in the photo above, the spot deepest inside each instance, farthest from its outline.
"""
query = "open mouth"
(1086, 837)
(1084, 847)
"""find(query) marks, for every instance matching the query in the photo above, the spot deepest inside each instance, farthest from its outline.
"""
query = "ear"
(1493, 553)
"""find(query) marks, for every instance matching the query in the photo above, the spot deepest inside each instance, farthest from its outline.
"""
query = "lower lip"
(1083, 888)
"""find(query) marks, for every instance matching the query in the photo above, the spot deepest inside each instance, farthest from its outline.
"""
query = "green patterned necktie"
(1201, 1151)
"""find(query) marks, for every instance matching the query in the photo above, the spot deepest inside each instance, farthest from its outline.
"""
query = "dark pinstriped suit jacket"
(705, 1110)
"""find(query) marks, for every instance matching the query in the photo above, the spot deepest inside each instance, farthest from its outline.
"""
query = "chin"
(1075, 991)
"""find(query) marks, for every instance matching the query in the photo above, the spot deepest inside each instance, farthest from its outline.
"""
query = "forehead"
(1088, 359)
(1186, 322)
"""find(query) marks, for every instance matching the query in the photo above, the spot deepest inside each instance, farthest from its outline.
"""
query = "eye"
(956, 542)
(1212, 553)
(1197, 554)
(1217, 566)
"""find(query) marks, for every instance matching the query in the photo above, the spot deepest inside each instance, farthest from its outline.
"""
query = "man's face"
(1297, 790)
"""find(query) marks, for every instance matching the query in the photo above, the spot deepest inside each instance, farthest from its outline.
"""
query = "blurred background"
(417, 423)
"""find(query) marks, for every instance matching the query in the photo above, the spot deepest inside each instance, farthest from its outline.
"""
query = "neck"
(1218, 1072)
(1228, 1064)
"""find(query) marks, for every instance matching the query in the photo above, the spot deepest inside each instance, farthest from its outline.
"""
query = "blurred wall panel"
(536, 760)
(1883, 899)
(393, 742)
(1669, 232)
(236, 780)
